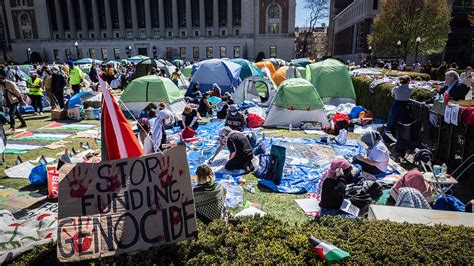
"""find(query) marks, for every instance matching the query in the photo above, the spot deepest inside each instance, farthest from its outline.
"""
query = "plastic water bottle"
(290, 128)
(444, 171)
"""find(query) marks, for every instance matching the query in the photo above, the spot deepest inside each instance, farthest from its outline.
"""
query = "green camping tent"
(151, 89)
(187, 71)
(302, 71)
(299, 94)
(248, 69)
(331, 78)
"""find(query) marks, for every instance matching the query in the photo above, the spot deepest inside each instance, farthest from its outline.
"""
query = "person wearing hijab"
(411, 198)
(216, 90)
(412, 179)
(144, 130)
(333, 188)
(378, 155)
(205, 106)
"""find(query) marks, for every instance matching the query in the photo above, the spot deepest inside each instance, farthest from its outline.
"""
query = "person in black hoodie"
(58, 82)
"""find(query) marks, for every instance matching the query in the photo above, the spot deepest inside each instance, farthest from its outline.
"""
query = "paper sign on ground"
(308, 205)
(22, 170)
(14, 200)
(122, 206)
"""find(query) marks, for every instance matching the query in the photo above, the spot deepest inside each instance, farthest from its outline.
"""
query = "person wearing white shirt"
(378, 154)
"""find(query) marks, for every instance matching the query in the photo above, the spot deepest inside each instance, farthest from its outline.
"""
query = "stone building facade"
(115, 29)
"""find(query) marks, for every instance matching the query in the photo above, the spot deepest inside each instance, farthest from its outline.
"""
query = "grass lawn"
(279, 205)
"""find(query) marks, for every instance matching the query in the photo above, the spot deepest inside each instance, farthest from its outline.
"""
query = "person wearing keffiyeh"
(412, 179)
(209, 196)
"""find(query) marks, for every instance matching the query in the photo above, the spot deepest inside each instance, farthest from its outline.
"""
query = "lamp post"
(154, 52)
(28, 53)
(129, 51)
(399, 43)
(370, 54)
(77, 49)
(418, 40)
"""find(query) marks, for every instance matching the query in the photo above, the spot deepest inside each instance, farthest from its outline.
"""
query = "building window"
(222, 8)
(68, 36)
(117, 35)
(89, 15)
(64, 13)
(77, 14)
(116, 53)
(236, 12)
(167, 5)
(57, 36)
(92, 53)
(196, 33)
(170, 34)
(223, 33)
(169, 53)
(155, 14)
(222, 52)
(68, 54)
(127, 9)
(236, 51)
(141, 13)
(56, 54)
(195, 13)
(196, 53)
(273, 51)
(375, 4)
(115, 14)
(209, 52)
(182, 52)
(181, 13)
(237, 32)
(80, 35)
(104, 53)
(80, 54)
(209, 33)
(183, 34)
(101, 12)
(92, 35)
(209, 8)
(273, 19)
(104, 35)
(25, 24)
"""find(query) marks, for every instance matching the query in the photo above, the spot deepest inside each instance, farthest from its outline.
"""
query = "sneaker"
(41, 113)
(35, 113)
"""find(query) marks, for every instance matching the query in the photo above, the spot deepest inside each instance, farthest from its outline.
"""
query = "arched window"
(273, 19)
(25, 25)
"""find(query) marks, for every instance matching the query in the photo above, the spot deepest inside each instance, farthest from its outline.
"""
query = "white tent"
(257, 89)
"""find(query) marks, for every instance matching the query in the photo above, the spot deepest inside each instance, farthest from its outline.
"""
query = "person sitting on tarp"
(240, 151)
(144, 131)
(209, 196)
(216, 90)
(205, 107)
(412, 179)
(145, 112)
(195, 95)
(223, 106)
(378, 154)
(333, 189)
(189, 118)
(169, 116)
(235, 119)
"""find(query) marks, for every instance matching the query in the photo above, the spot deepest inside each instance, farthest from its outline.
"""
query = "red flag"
(118, 139)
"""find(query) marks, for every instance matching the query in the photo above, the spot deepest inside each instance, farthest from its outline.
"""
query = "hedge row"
(268, 240)
(412, 75)
(380, 101)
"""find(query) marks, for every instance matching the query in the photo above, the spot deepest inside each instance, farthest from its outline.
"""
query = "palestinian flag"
(326, 251)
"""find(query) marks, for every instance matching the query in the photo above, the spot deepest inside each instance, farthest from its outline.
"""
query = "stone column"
(189, 21)
(108, 19)
(134, 18)
(215, 18)
(72, 22)
(161, 17)
(174, 10)
(95, 13)
(148, 18)
(230, 25)
(202, 18)
(60, 20)
(121, 16)
(85, 28)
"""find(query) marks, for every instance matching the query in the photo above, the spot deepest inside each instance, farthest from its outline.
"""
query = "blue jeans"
(398, 113)
(332, 212)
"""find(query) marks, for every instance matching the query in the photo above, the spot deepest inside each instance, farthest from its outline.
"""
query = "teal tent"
(248, 69)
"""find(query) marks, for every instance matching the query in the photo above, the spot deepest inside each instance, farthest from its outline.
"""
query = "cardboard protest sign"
(126, 205)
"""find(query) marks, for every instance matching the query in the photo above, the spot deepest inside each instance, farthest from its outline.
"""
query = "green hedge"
(380, 101)
(268, 240)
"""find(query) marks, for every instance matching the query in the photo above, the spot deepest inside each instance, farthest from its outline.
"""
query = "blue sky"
(301, 14)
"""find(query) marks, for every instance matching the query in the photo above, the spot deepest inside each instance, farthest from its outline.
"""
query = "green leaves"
(405, 20)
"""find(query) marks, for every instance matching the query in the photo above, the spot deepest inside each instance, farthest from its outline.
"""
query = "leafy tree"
(405, 20)
(318, 10)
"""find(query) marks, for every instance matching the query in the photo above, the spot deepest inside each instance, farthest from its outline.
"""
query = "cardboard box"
(58, 114)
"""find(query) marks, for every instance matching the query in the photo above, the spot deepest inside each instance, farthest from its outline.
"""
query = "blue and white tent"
(222, 72)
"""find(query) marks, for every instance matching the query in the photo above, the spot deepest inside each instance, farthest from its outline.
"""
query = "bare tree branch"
(318, 10)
